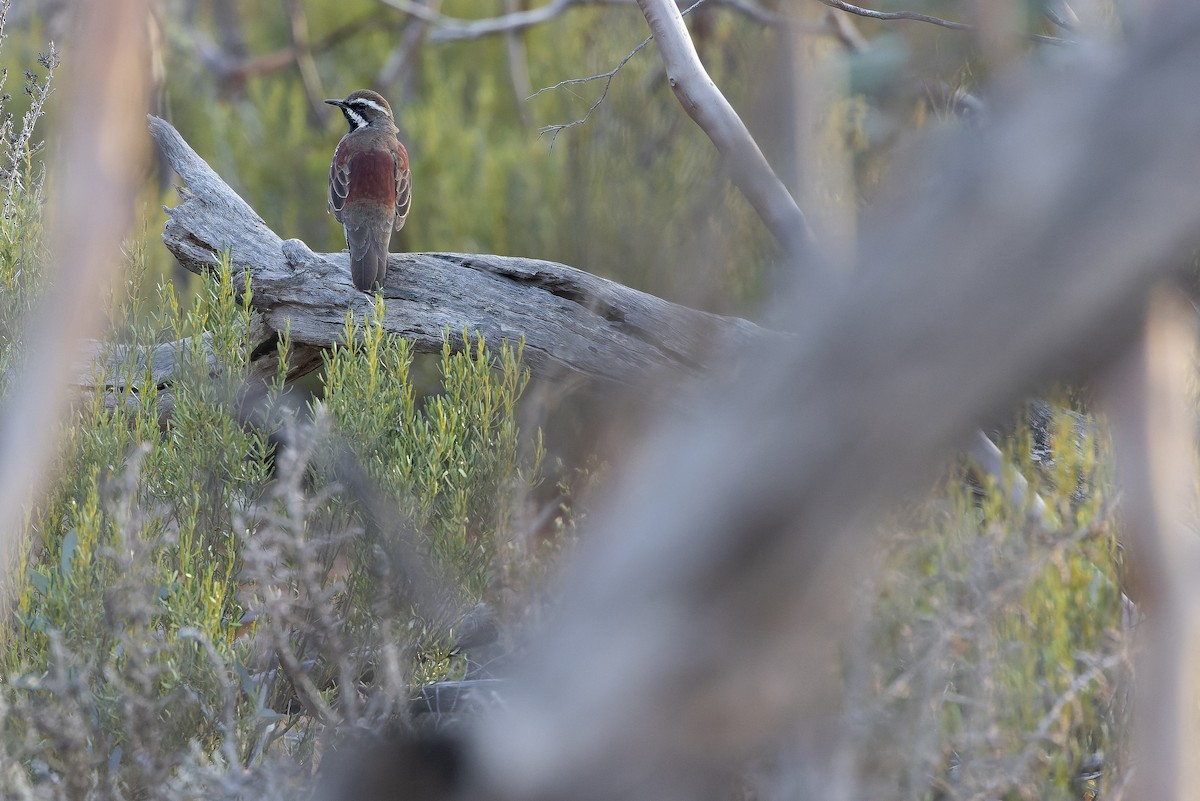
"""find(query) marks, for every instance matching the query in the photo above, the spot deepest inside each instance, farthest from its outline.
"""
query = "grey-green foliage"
(22, 179)
(125, 646)
(997, 660)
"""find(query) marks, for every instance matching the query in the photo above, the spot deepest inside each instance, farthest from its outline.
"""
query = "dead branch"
(897, 15)
(100, 156)
(916, 16)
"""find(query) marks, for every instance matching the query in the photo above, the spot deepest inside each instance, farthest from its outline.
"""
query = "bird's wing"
(403, 184)
(339, 180)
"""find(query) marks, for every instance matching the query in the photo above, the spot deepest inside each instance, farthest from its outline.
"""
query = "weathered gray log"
(573, 323)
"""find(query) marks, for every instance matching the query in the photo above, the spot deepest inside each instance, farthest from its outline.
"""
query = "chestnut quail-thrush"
(370, 188)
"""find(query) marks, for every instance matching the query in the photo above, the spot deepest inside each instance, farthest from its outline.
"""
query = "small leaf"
(70, 544)
(39, 582)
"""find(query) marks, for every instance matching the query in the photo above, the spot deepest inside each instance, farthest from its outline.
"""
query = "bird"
(370, 185)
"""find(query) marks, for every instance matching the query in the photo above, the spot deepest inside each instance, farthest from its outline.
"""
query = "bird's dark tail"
(368, 256)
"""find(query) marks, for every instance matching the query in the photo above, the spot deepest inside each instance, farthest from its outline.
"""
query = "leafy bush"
(130, 649)
(998, 654)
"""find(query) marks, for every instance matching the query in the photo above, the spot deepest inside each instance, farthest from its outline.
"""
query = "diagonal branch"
(748, 167)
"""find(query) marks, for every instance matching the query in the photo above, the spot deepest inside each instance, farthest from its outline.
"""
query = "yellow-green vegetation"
(457, 460)
(998, 657)
(127, 627)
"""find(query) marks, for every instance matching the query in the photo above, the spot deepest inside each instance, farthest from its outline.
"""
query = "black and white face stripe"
(361, 111)
(363, 103)
(355, 119)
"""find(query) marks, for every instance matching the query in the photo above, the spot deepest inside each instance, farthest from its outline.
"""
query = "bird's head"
(363, 108)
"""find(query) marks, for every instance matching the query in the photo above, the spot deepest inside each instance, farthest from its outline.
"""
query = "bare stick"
(1153, 421)
(916, 16)
(101, 154)
(895, 15)
(1016, 487)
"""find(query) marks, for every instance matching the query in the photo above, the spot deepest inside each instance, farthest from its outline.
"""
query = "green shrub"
(997, 661)
(128, 617)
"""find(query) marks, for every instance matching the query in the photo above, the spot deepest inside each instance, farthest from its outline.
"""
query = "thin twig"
(915, 16)
(607, 77)
(447, 28)
(895, 15)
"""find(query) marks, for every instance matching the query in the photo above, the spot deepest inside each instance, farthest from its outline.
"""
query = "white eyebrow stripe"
(370, 104)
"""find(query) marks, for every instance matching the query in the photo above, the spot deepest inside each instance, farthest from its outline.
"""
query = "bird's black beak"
(338, 103)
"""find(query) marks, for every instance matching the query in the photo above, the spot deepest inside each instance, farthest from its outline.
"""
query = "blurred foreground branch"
(703, 618)
(1151, 404)
(101, 153)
